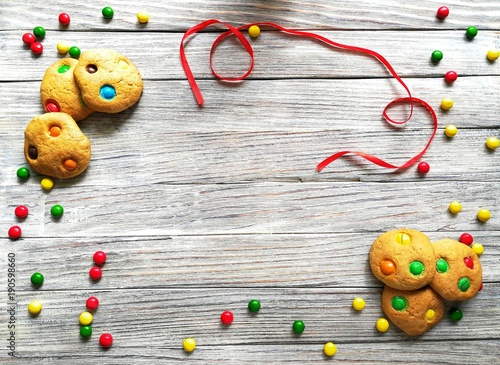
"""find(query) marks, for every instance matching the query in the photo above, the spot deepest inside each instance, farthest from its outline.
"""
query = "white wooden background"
(202, 209)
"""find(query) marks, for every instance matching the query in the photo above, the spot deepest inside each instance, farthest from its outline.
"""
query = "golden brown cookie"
(55, 146)
(458, 270)
(415, 311)
(403, 259)
(109, 82)
(59, 91)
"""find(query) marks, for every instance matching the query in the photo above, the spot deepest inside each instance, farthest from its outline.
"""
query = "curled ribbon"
(236, 31)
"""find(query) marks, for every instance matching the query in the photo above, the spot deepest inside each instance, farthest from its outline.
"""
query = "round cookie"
(55, 146)
(416, 311)
(59, 91)
(458, 270)
(109, 82)
(403, 259)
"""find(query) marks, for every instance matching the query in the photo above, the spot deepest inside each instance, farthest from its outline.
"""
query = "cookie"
(55, 146)
(109, 82)
(458, 270)
(415, 311)
(60, 92)
(403, 259)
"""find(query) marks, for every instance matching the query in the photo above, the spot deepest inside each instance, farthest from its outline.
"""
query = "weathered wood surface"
(203, 209)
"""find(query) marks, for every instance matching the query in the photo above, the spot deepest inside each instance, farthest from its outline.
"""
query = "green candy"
(63, 68)
(298, 327)
(442, 266)
(74, 52)
(416, 268)
(399, 303)
(107, 12)
(463, 284)
(85, 331)
(23, 173)
(437, 56)
(471, 32)
(456, 315)
(39, 32)
(57, 211)
(37, 279)
(254, 306)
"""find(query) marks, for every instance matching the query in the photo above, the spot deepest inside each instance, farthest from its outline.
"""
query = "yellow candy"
(382, 325)
(143, 17)
(189, 344)
(450, 130)
(85, 318)
(47, 183)
(477, 248)
(429, 315)
(493, 54)
(254, 31)
(403, 239)
(330, 349)
(455, 207)
(483, 215)
(63, 47)
(358, 304)
(492, 143)
(447, 104)
(35, 307)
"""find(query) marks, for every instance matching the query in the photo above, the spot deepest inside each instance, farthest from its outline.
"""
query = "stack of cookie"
(419, 276)
(101, 80)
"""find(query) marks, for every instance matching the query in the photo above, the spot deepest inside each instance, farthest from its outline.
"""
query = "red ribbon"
(244, 42)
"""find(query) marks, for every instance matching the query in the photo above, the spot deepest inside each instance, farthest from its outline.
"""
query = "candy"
(463, 284)
(358, 304)
(226, 318)
(450, 130)
(469, 262)
(254, 306)
(29, 38)
(54, 131)
(47, 183)
(423, 168)
(143, 17)
(92, 303)
(95, 273)
(298, 327)
(450, 76)
(85, 331)
(254, 31)
(442, 266)
(189, 344)
(387, 267)
(429, 315)
(107, 12)
(399, 303)
(23, 173)
(403, 239)
(106, 340)
(471, 32)
(492, 54)
(36, 48)
(416, 268)
(329, 349)
(382, 325)
(456, 315)
(57, 211)
(21, 211)
(492, 143)
(74, 52)
(466, 238)
(35, 307)
(455, 207)
(478, 248)
(99, 258)
(15, 232)
(483, 215)
(107, 92)
(436, 56)
(447, 103)
(64, 19)
(37, 279)
(442, 12)
(85, 318)
(63, 47)
(39, 32)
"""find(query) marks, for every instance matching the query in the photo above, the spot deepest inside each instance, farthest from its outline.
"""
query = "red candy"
(423, 167)
(99, 258)
(36, 48)
(442, 12)
(469, 262)
(21, 211)
(106, 340)
(450, 76)
(466, 238)
(226, 318)
(52, 108)
(92, 303)
(15, 232)
(481, 287)
(95, 273)
(29, 39)
(64, 19)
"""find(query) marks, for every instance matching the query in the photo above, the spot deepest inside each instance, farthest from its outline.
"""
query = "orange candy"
(70, 164)
(387, 267)
(55, 131)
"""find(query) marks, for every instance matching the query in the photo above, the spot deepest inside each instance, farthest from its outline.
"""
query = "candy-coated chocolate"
(57, 210)
(36, 48)
(64, 19)
(463, 284)
(254, 31)
(226, 318)
(85, 331)
(15, 232)
(23, 173)
(466, 238)
(37, 279)
(55, 131)
(423, 168)
(143, 17)
(330, 349)
(35, 307)
(95, 273)
(483, 215)
(29, 38)
(107, 12)
(298, 327)
(387, 267)
(21, 211)
(189, 344)
(469, 262)
(493, 54)
(416, 268)
(442, 12)
(92, 303)
(447, 103)
(39, 32)
(403, 238)
(106, 340)
(358, 303)
(47, 183)
(477, 248)
(99, 257)
(456, 315)
(70, 164)
(63, 47)
(85, 318)
(451, 131)
(254, 306)
(74, 52)
(399, 303)
(442, 266)
(471, 32)
(436, 56)
(429, 315)
(492, 143)
(382, 325)
(108, 92)
(450, 76)
(455, 207)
